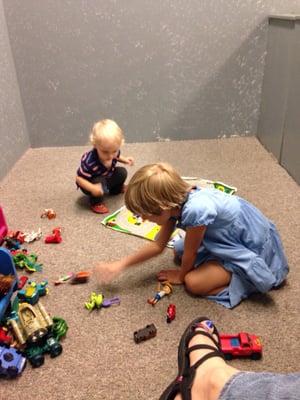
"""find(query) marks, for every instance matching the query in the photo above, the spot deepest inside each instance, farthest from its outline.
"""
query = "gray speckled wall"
(176, 69)
(13, 133)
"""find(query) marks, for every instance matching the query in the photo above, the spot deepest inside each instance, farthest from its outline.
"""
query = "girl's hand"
(130, 161)
(170, 275)
(106, 272)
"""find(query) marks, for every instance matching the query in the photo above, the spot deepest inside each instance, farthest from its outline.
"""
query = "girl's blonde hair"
(154, 188)
(106, 129)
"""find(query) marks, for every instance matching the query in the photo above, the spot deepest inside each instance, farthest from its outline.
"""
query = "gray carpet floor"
(100, 359)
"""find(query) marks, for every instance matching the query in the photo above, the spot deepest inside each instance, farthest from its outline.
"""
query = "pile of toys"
(27, 331)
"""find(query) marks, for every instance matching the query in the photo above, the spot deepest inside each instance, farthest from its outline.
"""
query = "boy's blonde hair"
(154, 188)
(106, 129)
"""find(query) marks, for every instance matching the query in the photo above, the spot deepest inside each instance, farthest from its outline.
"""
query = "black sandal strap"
(199, 347)
(215, 353)
(203, 333)
(187, 381)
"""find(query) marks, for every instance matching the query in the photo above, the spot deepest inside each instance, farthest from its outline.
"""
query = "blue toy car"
(12, 362)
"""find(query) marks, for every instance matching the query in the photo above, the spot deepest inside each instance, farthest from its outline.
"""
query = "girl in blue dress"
(230, 248)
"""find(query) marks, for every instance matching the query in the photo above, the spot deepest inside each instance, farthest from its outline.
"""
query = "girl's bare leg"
(208, 279)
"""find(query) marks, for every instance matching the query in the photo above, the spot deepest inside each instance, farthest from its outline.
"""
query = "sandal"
(100, 208)
(186, 373)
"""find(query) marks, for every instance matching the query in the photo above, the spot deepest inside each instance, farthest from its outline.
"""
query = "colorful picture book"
(125, 221)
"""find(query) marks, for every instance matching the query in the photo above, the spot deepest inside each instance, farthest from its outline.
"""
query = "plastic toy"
(33, 291)
(32, 323)
(109, 302)
(95, 301)
(11, 243)
(12, 362)
(17, 235)
(81, 277)
(145, 333)
(241, 345)
(55, 238)
(165, 290)
(98, 301)
(24, 260)
(3, 226)
(4, 337)
(59, 328)
(49, 213)
(7, 267)
(64, 278)
(35, 353)
(32, 236)
(171, 313)
(22, 281)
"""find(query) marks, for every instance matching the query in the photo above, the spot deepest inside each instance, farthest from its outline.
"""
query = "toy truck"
(33, 329)
(241, 345)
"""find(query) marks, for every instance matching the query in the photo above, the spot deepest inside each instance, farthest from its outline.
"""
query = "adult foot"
(202, 369)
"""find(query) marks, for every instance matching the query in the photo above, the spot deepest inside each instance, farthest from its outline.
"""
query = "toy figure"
(24, 260)
(32, 236)
(95, 301)
(98, 301)
(55, 238)
(165, 290)
(81, 277)
(49, 213)
(64, 278)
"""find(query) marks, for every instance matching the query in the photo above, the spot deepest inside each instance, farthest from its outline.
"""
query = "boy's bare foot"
(100, 208)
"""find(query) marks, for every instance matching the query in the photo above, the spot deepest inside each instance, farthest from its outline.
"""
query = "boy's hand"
(130, 161)
(106, 272)
(170, 275)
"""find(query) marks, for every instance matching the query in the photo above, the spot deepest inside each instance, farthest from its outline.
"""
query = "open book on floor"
(125, 221)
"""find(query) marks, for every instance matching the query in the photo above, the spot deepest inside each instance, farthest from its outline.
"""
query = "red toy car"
(241, 345)
(171, 313)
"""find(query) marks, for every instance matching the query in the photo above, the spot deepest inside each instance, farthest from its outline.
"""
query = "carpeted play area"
(100, 359)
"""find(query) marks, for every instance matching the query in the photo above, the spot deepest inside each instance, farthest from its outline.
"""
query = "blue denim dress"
(240, 237)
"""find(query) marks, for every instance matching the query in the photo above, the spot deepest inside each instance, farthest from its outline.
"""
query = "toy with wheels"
(242, 344)
(7, 267)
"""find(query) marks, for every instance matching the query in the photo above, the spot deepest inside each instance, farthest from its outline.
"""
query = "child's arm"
(192, 242)
(106, 272)
(126, 160)
(95, 189)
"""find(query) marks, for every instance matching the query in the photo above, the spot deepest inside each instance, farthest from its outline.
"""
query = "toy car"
(241, 345)
(145, 333)
(12, 363)
(171, 313)
(35, 353)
